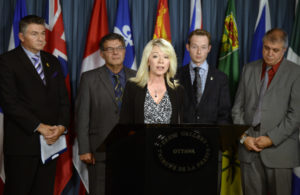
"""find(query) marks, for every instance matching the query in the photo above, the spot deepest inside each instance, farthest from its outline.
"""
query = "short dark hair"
(30, 19)
(111, 36)
(277, 35)
(200, 32)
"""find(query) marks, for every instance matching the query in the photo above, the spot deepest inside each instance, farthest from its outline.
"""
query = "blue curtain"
(76, 15)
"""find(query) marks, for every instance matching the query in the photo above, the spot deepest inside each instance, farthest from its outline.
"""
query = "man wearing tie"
(268, 99)
(98, 105)
(207, 98)
(35, 102)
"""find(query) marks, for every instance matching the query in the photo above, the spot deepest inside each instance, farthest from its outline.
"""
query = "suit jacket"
(96, 111)
(132, 111)
(27, 102)
(280, 113)
(215, 104)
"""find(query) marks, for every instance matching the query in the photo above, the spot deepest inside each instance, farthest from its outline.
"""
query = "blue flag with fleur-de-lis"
(123, 27)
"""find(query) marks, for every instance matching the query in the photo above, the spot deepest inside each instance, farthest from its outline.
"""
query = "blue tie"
(39, 68)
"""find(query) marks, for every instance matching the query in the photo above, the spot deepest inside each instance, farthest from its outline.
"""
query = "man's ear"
(209, 48)
(21, 36)
(187, 47)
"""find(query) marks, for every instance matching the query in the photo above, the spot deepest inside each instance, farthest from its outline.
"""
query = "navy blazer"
(215, 104)
(132, 111)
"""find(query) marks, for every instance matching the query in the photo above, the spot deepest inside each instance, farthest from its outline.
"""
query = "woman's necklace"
(155, 93)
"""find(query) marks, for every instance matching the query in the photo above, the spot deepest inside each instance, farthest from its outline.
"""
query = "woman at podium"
(153, 96)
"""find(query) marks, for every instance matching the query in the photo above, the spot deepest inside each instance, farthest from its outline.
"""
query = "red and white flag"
(56, 44)
(91, 60)
(97, 29)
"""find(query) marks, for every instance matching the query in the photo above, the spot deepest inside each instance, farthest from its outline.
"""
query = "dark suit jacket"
(27, 102)
(215, 104)
(96, 109)
(132, 111)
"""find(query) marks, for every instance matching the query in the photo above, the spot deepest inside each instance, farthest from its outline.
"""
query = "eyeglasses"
(112, 49)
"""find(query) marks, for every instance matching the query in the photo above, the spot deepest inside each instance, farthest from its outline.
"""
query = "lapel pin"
(47, 64)
(211, 78)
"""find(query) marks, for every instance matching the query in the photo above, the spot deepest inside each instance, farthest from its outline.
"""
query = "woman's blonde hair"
(142, 75)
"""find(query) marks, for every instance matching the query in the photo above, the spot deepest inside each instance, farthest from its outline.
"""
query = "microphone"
(178, 103)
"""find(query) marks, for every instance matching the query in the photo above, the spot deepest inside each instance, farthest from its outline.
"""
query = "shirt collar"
(121, 73)
(30, 54)
(274, 67)
(203, 66)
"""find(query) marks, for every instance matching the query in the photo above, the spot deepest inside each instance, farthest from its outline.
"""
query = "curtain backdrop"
(76, 15)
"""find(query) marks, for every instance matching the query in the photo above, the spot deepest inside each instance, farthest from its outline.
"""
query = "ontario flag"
(97, 29)
(162, 26)
(195, 23)
(55, 37)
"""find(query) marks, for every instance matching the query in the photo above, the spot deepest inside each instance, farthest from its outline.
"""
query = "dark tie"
(197, 85)
(39, 68)
(263, 88)
(118, 90)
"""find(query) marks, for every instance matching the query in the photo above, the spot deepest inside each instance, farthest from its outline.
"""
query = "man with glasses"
(98, 106)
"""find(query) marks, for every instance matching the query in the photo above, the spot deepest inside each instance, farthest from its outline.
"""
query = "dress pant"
(257, 179)
(26, 175)
(97, 178)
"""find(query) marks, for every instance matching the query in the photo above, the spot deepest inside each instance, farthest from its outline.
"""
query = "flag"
(294, 55)
(20, 12)
(97, 29)
(296, 181)
(195, 23)
(56, 44)
(294, 49)
(162, 26)
(123, 27)
(14, 41)
(229, 64)
(263, 24)
(229, 54)
(91, 60)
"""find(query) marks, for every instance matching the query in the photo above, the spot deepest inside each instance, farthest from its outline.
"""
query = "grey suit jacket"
(280, 113)
(96, 111)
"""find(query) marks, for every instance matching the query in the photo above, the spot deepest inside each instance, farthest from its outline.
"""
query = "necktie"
(118, 90)
(39, 68)
(197, 85)
(263, 88)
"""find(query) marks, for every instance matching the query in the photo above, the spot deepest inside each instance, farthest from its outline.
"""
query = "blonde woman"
(153, 96)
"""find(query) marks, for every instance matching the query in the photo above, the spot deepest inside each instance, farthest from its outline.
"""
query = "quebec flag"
(123, 27)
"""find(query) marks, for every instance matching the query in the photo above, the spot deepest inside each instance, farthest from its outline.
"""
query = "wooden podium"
(166, 159)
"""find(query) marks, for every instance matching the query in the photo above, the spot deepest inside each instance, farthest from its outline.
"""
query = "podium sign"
(162, 160)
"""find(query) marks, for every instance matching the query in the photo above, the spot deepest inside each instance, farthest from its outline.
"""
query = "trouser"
(257, 179)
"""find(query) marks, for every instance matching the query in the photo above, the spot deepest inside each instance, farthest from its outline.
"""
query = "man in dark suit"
(35, 102)
(207, 101)
(268, 99)
(98, 105)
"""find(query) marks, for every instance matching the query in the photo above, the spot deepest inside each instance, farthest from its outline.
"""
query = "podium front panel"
(163, 159)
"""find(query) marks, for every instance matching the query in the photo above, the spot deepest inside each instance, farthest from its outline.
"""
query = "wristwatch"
(242, 140)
